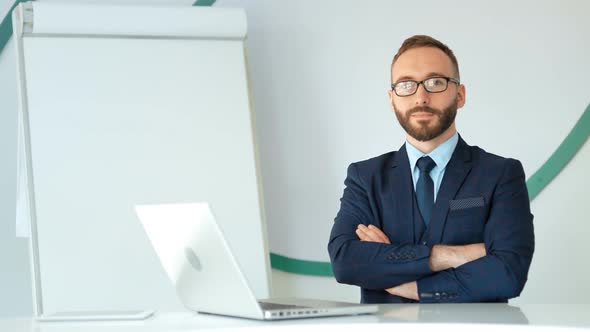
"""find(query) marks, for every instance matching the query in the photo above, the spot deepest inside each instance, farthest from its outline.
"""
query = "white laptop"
(205, 273)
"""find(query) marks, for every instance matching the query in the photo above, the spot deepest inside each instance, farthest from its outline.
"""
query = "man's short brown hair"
(425, 41)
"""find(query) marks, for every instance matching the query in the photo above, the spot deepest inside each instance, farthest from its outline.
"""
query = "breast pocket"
(465, 221)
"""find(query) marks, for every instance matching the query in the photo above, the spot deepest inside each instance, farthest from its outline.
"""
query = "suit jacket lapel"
(455, 174)
(402, 189)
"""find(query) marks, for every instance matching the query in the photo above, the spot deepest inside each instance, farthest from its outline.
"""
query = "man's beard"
(423, 131)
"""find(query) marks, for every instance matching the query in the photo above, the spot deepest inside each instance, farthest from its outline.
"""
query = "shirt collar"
(441, 155)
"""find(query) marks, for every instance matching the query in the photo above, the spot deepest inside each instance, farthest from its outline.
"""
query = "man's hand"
(443, 257)
(371, 234)
(409, 290)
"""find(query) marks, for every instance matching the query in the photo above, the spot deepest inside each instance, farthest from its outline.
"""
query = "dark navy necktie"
(425, 188)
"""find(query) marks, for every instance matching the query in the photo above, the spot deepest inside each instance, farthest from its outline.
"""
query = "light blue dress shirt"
(441, 156)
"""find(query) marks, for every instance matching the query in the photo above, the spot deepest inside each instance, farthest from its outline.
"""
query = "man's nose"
(422, 97)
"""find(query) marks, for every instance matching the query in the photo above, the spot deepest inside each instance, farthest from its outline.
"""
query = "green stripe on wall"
(6, 26)
(322, 269)
(536, 183)
(559, 159)
(204, 3)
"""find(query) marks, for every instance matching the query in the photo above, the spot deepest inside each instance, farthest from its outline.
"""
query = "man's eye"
(437, 82)
(406, 85)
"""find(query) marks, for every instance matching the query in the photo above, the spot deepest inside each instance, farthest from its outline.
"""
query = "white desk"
(406, 318)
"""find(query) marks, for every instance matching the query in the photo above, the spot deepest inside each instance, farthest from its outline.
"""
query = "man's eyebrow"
(436, 74)
(404, 78)
(432, 74)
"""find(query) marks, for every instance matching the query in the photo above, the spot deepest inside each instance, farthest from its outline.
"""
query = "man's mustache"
(424, 109)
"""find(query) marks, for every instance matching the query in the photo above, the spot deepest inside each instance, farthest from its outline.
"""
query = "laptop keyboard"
(277, 306)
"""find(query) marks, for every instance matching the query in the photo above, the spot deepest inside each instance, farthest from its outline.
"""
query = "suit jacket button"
(424, 243)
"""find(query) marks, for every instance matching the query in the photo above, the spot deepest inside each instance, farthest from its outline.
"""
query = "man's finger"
(365, 234)
(368, 234)
(361, 235)
(379, 233)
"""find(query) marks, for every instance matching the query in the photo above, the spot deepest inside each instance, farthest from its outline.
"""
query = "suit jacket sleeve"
(368, 264)
(509, 242)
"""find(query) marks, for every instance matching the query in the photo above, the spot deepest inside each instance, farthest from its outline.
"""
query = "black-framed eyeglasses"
(432, 84)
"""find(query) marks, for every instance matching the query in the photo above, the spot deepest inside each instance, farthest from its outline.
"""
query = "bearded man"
(438, 220)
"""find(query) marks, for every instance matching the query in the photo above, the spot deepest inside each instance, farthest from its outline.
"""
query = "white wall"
(319, 73)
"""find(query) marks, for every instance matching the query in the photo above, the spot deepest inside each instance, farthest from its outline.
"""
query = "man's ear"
(460, 96)
(390, 96)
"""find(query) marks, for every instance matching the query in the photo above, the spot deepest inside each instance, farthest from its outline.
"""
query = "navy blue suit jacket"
(482, 198)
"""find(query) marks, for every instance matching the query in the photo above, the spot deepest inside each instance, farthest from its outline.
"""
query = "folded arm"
(442, 257)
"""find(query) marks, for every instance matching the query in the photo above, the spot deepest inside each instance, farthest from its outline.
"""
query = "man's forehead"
(421, 62)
